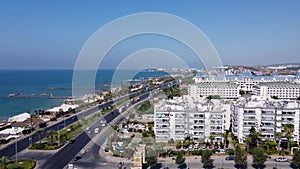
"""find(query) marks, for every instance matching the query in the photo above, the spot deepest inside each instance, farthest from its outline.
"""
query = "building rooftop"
(279, 84)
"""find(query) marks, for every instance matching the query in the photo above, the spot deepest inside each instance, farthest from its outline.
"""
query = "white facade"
(190, 116)
(246, 80)
(224, 90)
(267, 116)
(282, 90)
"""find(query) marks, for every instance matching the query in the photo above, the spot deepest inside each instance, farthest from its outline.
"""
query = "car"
(196, 146)
(70, 166)
(72, 141)
(281, 159)
(229, 158)
(77, 158)
(191, 146)
(103, 121)
(96, 130)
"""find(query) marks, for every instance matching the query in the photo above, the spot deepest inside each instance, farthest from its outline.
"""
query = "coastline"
(32, 84)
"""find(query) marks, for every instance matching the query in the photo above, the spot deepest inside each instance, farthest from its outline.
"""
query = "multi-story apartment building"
(224, 89)
(268, 116)
(246, 80)
(190, 116)
(282, 90)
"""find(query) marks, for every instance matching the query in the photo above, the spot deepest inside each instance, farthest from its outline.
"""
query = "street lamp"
(57, 129)
(16, 146)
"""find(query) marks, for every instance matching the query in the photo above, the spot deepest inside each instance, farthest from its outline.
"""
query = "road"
(68, 152)
(219, 162)
(9, 150)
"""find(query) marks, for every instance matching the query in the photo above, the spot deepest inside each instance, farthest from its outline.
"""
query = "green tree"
(51, 134)
(240, 158)
(206, 160)
(60, 112)
(179, 158)
(248, 141)
(145, 134)
(211, 138)
(259, 157)
(151, 161)
(39, 133)
(4, 161)
(201, 141)
(289, 128)
(296, 159)
(254, 137)
(278, 137)
(230, 151)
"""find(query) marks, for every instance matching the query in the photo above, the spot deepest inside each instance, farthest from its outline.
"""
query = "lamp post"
(16, 147)
(57, 129)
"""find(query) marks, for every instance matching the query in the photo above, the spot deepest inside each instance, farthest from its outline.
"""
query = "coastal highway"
(23, 143)
(68, 152)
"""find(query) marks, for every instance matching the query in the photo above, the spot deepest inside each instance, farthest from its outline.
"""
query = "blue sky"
(49, 34)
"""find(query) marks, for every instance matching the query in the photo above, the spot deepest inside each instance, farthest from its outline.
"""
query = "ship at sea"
(13, 94)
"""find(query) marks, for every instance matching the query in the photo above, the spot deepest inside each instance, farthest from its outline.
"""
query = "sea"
(35, 83)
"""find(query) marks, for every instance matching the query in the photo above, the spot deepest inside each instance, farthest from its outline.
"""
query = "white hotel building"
(190, 116)
(245, 80)
(282, 90)
(223, 89)
(267, 116)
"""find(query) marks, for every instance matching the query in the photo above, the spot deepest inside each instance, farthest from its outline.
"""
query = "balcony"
(268, 119)
(267, 113)
(249, 119)
(249, 112)
(292, 114)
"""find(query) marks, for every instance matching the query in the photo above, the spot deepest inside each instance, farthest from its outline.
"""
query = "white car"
(96, 130)
(191, 146)
(70, 166)
(281, 159)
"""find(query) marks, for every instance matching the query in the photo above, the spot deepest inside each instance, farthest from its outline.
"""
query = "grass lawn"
(22, 164)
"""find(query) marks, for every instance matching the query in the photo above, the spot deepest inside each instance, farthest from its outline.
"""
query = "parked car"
(196, 146)
(191, 146)
(229, 158)
(281, 159)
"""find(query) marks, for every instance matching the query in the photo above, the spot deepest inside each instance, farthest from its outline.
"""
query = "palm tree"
(51, 134)
(257, 135)
(268, 142)
(278, 137)
(4, 160)
(289, 129)
(39, 133)
(201, 141)
(248, 141)
(212, 137)
(225, 136)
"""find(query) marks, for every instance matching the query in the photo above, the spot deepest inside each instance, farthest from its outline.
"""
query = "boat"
(13, 95)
